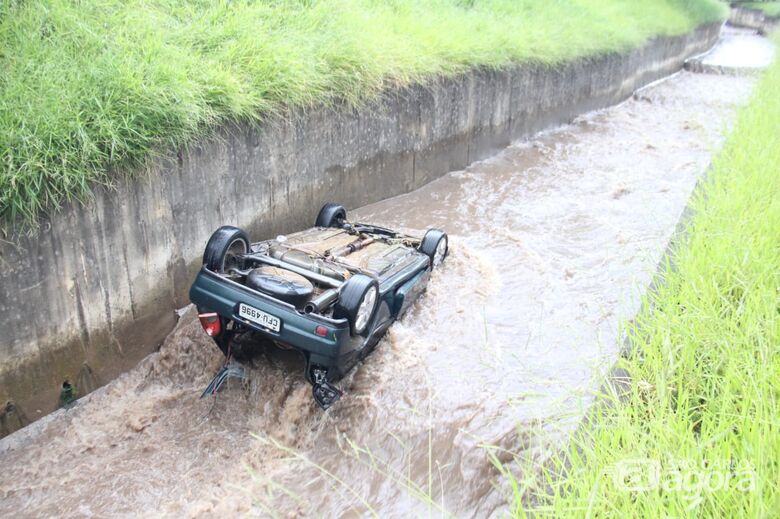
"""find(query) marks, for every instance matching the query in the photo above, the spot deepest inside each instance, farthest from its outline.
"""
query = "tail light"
(211, 324)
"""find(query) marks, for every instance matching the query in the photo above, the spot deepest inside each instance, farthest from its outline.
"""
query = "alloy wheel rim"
(365, 309)
(441, 251)
(236, 248)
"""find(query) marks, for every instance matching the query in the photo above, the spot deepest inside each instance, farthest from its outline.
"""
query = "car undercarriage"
(329, 292)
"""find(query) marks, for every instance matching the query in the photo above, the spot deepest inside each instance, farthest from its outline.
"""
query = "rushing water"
(740, 50)
(552, 244)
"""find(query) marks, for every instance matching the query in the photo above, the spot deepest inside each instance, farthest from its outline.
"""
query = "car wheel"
(435, 245)
(331, 215)
(357, 302)
(223, 249)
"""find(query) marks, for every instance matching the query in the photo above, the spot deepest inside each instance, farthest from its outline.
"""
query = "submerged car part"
(324, 393)
(229, 370)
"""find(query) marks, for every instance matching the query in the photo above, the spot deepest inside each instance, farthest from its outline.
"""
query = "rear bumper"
(213, 293)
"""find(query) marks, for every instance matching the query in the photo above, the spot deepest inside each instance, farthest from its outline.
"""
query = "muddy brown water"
(552, 244)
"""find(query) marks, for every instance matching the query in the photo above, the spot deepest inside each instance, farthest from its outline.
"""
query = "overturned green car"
(329, 292)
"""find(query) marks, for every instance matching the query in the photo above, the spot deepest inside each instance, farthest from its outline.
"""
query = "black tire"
(223, 246)
(350, 300)
(430, 245)
(331, 215)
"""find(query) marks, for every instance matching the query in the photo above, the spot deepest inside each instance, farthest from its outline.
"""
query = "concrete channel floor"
(553, 242)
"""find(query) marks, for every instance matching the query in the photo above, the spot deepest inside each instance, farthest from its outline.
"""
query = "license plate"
(259, 317)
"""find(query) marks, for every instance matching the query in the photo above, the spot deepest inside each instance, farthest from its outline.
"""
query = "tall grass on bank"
(698, 431)
(89, 89)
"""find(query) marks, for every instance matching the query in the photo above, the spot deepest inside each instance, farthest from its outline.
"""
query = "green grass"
(769, 8)
(704, 403)
(89, 90)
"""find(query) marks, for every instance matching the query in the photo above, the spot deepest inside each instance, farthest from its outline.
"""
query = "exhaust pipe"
(350, 247)
(321, 302)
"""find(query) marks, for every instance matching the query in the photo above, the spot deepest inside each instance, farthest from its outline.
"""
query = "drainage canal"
(553, 242)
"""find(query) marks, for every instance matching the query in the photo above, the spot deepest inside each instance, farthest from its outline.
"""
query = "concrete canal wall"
(95, 291)
(752, 19)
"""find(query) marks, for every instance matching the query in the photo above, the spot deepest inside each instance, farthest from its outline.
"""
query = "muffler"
(320, 303)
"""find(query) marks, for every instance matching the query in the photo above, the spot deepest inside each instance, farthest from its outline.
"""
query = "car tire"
(435, 245)
(353, 305)
(223, 246)
(331, 215)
